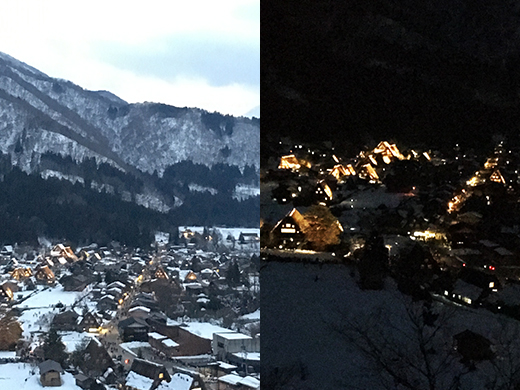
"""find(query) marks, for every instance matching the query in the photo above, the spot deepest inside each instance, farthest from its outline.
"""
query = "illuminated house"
(497, 177)
(323, 191)
(89, 323)
(291, 162)
(339, 171)
(190, 277)
(288, 232)
(145, 375)
(160, 273)
(367, 171)
(388, 152)
(45, 275)
(6, 294)
(66, 252)
(491, 163)
(21, 273)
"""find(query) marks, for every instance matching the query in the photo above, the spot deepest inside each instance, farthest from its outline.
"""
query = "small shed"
(50, 373)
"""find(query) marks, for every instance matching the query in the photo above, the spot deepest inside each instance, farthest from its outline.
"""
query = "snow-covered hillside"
(322, 328)
(82, 123)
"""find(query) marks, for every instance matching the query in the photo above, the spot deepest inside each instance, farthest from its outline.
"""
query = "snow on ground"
(306, 308)
(36, 320)
(39, 309)
(23, 376)
(51, 297)
(252, 316)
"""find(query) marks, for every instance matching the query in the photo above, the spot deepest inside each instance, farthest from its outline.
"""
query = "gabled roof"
(150, 370)
(296, 216)
(49, 365)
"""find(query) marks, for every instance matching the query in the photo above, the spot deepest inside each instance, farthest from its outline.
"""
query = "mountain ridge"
(100, 163)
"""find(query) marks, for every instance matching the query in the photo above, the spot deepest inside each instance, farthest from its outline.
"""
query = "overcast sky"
(195, 53)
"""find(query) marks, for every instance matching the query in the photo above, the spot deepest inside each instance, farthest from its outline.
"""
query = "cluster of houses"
(130, 296)
(461, 210)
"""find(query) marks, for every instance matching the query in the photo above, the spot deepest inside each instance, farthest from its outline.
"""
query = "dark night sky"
(415, 72)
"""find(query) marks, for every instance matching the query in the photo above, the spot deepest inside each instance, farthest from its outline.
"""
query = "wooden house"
(289, 162)
(289, 231)
(95, 358)
(21, 273)
(89, 322)
(6, 293)
(133, 329)
(62, 251)
(160, 273)
(107, 302)
(44, 275)
(50, 373)
(66, 321)
(83, 381)
(155, 373)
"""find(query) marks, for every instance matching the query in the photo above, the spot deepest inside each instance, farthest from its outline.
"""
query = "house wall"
(190, 344)
(51, 378)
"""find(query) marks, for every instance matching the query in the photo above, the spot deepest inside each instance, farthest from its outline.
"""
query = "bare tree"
(406, 349)
(505, 372)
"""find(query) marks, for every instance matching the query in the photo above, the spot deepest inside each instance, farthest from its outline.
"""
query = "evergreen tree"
(53, 347)
(373, 266)
(233, 274)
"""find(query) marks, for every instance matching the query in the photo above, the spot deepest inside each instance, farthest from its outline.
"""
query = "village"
(442, 225)
(183, 314)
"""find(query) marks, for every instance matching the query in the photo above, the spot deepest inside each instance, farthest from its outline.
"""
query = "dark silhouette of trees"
(373, 266)
(53, 347)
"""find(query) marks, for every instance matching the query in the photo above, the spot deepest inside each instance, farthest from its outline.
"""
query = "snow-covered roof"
(156, 336)
(235, 380)
(170, 322)
(142, 308)
(248, 355)
(226, 366)
(233, 336)
(138, 382)
(170, 343)
(179, 382)
(204, 330)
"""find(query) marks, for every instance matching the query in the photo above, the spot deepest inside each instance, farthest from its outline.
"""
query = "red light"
(491, 268)
(463, 264)
(127, 361)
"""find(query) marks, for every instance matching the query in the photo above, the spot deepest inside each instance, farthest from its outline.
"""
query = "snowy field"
(23, 376)
(313, 312)
(39, 309)
(51, 297)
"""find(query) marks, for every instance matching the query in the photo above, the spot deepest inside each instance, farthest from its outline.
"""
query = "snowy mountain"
(149, 154)
(41, 114)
